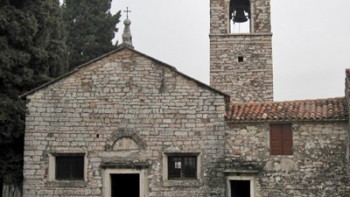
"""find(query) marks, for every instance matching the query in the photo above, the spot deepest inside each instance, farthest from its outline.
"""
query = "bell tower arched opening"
(240, 16)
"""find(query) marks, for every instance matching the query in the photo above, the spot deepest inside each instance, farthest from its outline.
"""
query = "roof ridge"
(120, 48)
(324, 109)
(288, 101)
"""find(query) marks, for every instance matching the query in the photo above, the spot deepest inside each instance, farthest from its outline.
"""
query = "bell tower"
(241, 49)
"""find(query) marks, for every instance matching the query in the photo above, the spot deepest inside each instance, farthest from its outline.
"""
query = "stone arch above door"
(124, 140)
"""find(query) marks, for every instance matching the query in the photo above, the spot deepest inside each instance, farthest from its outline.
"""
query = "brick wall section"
(251, 80)
(124, 91)
(316, 168)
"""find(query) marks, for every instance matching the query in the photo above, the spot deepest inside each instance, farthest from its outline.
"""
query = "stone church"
(126, 124)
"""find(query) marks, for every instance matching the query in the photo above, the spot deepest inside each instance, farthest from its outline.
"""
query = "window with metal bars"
(70, 167)
(182, 167)
(281, 139)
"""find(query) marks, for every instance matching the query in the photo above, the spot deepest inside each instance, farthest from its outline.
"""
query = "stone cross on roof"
(127, 12)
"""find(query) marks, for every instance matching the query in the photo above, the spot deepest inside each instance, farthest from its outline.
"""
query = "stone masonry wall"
(316, 168)
(250, 80)
(124, 94)
(347, 97)
(219, 19)
(261, 16)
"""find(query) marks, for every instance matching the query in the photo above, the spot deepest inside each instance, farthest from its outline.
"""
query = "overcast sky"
(311, 41)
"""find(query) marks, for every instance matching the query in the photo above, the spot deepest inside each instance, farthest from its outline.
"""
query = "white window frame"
(52, 166)
(181, 182)
(166, 167)
(241, 178)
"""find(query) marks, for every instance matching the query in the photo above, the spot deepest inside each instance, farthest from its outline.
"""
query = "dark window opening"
(281, 139)
(182, 167)
(240, 59)
(70, 167)
(240, 188)
(240, 16)
(125, 185)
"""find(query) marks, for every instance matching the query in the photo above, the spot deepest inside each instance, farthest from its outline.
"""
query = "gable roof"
(332, 109)
(121, 47)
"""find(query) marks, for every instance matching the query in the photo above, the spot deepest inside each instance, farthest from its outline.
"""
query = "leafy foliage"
(91, 28)
(32, 43)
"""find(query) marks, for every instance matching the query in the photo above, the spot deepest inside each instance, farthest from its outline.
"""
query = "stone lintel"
(125, 165)
(240, 171)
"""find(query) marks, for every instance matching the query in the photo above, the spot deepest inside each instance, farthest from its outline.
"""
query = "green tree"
(90, 27)
(32, 48)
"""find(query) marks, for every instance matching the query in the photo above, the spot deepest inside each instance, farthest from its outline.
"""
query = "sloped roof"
(121, 47)
(332, 109)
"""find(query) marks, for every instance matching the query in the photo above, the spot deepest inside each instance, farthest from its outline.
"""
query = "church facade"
(126, 124)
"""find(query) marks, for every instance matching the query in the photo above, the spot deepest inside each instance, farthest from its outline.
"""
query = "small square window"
(240, 58)
(182, 167)
(70, 167)
(281, 139)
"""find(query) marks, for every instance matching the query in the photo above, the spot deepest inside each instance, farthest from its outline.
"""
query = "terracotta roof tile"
(301, 110)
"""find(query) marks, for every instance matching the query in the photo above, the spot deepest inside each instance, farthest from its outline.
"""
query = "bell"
(240, 16)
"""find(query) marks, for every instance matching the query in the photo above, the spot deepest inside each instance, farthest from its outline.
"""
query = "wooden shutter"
(287, 139)
(281, 139)
(275, 140)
